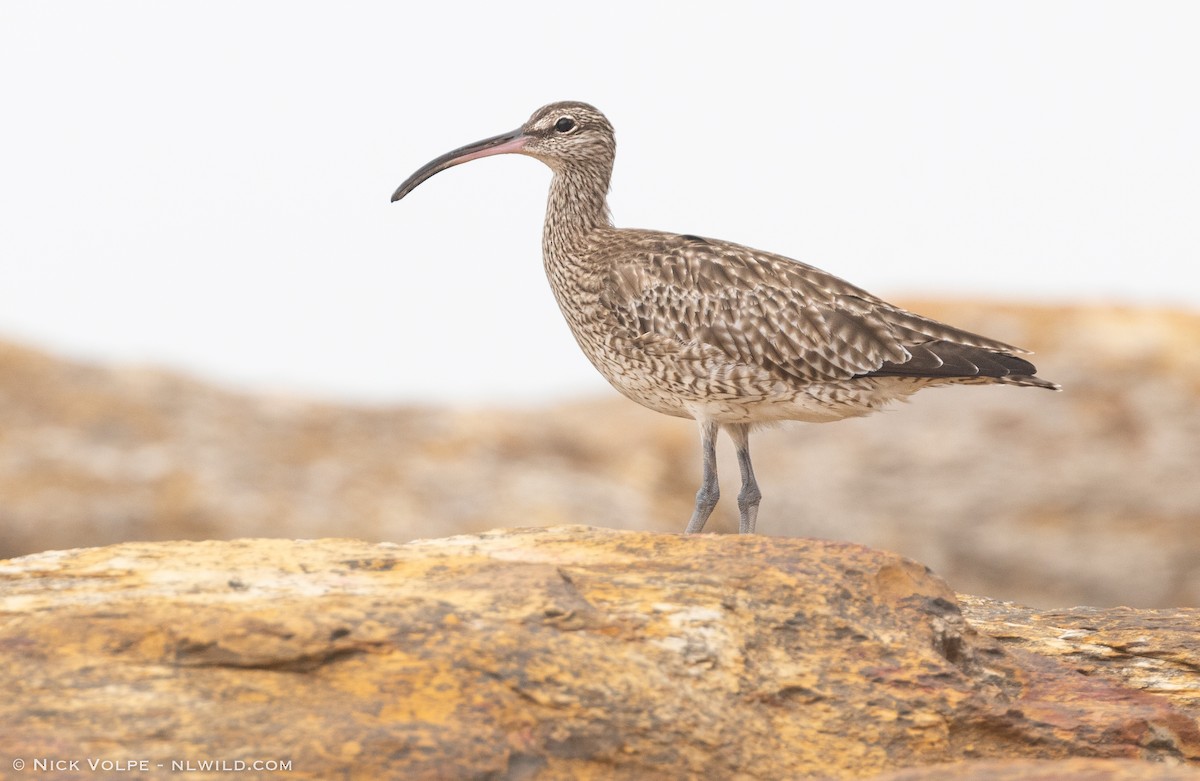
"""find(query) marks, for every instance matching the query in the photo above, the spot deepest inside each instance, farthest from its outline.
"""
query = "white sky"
(205, 185)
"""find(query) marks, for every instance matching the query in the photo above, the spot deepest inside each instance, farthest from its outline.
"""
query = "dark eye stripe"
(564, 125)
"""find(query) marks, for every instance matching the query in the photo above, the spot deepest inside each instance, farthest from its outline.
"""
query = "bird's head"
(562, 135)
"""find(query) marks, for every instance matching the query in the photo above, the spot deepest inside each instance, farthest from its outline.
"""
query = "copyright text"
(59, 765)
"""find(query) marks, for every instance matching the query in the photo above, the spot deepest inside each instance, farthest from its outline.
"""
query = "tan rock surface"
(1083, 497)
(1035, 770)
(1156, 651)
(561, 653)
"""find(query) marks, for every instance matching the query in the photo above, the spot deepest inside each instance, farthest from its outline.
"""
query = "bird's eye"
(564, 125)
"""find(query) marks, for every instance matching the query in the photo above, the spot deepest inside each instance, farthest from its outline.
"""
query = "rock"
(558, 653)
(1155, 651)
(1083, 497)
(1034, 770)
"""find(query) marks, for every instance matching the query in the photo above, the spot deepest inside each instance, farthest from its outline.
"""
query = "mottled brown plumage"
(725, 334)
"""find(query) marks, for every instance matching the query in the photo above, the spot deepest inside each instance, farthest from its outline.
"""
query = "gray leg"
(706, 497)
(750, 495)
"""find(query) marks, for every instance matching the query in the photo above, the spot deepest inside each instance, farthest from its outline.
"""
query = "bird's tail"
(1029, 381)
(963, 363)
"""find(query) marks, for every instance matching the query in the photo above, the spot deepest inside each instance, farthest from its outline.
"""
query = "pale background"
(204, 185)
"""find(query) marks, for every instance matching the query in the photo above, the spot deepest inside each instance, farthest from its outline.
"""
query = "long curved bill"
(513, 141)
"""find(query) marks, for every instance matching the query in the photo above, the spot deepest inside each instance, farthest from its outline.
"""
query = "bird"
(732, 337)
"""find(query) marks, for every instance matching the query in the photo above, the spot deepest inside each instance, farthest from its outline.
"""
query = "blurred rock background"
(1090, 496)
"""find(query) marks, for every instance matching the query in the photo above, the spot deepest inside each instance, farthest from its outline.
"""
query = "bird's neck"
(577, 206)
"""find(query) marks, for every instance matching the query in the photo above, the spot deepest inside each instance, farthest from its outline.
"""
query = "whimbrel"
(705, 329)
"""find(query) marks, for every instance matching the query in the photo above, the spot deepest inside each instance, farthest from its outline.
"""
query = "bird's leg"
(749, 496)
(710, 492)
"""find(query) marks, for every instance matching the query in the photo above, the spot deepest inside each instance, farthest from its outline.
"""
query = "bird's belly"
(734, 393)
(822, 402)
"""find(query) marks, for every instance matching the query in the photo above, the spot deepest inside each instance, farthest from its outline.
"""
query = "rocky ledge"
(576, 653)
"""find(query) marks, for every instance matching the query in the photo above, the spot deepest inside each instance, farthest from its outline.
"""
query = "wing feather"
(786, 318)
